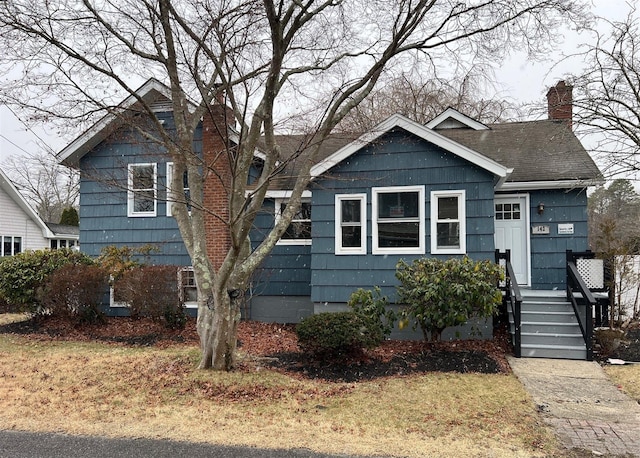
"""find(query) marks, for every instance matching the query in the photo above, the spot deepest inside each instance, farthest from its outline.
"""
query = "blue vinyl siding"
(103, 199)
(398, 159)
(548, 266)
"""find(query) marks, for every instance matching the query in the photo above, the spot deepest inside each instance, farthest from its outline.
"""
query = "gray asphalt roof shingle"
(543, 150)
(536, 150)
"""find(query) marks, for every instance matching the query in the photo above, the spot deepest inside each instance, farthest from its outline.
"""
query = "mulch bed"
(275, 346)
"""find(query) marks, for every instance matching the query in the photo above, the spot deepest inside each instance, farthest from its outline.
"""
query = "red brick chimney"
(217, 183)
(560, 103)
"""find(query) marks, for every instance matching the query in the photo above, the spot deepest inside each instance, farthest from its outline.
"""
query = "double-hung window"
(175, 197)
(142, 190)
(398, 220)
(351, 224)
(448, 229)
(299, 231)
(188, 290)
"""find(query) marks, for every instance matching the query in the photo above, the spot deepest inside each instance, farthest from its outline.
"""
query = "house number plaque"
(541, 229)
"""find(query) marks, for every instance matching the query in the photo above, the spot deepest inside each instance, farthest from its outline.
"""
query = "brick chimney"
(217, 183)
(560, 103)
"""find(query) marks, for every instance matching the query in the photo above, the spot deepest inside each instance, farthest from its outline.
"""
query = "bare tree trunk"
(217, 328)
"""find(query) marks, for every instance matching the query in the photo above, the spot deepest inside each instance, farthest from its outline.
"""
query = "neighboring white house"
(21, 229)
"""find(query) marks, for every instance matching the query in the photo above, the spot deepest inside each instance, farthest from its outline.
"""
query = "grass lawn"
(119, 391)
(627, 378)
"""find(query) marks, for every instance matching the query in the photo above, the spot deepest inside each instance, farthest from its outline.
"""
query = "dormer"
(453, 119)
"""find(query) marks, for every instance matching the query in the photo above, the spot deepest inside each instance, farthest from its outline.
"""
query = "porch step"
(552, 338)
(549, 328)
(554, 351)
(535, 316)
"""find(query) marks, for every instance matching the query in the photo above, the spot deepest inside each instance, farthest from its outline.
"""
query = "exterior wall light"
(540, 208)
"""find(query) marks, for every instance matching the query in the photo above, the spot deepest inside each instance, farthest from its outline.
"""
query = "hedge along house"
(403, 190)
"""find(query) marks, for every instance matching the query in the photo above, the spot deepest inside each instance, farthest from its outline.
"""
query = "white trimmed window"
(142, 190)
(58, 244)
(448, 229)
(188, 289)
(10, 245)
(299, 231)
(398, 220)
(172, 197)
(351, 224)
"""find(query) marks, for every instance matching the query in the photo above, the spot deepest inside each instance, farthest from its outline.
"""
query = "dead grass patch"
(92, 388)
(627, 378)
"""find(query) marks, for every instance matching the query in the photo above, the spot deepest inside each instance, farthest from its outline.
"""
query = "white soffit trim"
(282, 194)
(455, 114)
(417, 129)
(559, 184)
(72, 153)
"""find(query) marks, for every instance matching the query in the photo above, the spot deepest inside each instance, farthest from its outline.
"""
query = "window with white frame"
(173, 197)
(398, 220)
(142, 190)
(188, 289)
(58, 244)
(299, 231)
(448, 229)
(10, 245)
(351, 224)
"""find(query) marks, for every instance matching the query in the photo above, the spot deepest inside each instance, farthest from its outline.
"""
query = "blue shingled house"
(403, 190)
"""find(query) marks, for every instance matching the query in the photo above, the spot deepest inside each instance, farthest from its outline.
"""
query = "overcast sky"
(518, 79)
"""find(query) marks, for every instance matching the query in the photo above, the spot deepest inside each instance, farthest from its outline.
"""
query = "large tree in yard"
(270, 63)
(607, 96)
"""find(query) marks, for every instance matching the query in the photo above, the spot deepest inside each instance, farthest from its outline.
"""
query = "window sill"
(397, 251)
(291, 242)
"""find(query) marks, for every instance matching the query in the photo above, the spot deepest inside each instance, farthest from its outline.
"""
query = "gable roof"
(523, 155)
(153, 92)
(542, 153)
(10, 189)
(421, 131)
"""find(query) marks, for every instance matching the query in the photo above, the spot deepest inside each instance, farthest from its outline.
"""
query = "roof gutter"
(554, 184)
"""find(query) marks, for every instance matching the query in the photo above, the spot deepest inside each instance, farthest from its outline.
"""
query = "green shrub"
(372, 306)
(152, 291)
(439, 294)
(23, 274)
(117, 260)
(75, 291)
(333, 335)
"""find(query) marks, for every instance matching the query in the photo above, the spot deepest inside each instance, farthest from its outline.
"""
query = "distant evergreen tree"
(70, 217)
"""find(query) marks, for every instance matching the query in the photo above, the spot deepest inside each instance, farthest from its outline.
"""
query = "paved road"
(15, 444)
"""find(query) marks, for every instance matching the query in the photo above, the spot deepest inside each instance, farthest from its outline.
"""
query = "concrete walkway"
(582, 404)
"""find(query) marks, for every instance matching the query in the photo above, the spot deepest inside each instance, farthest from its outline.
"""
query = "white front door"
(512, 223)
